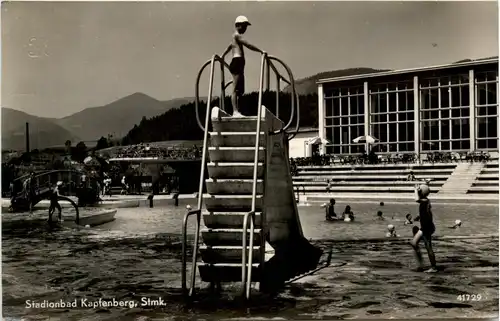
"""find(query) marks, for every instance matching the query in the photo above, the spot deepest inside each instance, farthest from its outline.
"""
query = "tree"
(80, 152)
(102, 143)
(67, 144)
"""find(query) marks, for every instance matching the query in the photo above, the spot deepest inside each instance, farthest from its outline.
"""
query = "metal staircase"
(250, 198)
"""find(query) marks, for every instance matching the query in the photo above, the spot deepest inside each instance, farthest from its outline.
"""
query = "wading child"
(54, 203)
(348, 215)
(427, 228)
(391, 231)
(330, 211)
(409, 219)
(380, 216)
(237, 65)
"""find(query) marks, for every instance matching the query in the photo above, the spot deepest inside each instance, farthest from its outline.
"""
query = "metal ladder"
(266, 66)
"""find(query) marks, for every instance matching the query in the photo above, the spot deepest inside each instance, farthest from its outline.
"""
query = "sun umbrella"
(318, 140)
(365, 139)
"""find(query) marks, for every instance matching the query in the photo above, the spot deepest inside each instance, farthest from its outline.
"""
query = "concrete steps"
(237, 170)
(462, 178)
(487, 181)
(224, 220)
(229, 198)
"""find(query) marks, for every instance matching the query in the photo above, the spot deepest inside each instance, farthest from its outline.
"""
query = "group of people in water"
(423, 233)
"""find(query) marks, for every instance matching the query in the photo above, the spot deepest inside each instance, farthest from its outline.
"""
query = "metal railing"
(246, 270)
(266, 61)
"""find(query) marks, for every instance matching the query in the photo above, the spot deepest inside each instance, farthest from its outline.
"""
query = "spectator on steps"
(411, 177)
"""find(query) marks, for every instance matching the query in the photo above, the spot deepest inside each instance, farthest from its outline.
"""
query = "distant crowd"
(156, 151)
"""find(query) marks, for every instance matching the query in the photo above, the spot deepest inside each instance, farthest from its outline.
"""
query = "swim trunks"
(237, 66)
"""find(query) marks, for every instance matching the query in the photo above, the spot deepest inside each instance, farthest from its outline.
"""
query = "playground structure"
(249, 181)
(42, 185)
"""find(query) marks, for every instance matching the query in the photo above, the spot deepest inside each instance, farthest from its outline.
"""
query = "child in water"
(348, 215)
(330, 211)
(379, 216)
(391, 231)
(409, 219)
(458, 223)
(427, 228)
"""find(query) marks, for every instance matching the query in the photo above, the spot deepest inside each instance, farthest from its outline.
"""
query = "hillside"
(43, 131)
(117, 117)
(308, 85)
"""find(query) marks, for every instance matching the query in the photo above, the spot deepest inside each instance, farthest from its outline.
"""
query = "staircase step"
(243, 124)
(227, 254)
(237, 203)
(236, 139)
(235, 154)
(234, 170)
(227, 219)
(233, 186)
(225, 237)
(226, 272)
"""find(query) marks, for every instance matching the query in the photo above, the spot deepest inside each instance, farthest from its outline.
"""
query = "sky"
(59, 58)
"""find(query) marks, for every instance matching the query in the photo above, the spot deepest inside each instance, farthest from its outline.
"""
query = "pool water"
(476, 219)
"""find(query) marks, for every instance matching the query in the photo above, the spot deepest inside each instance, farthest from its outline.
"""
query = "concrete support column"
(366, 104)
(498, 114)
(321, 117)
(416, 116)
(472, 110)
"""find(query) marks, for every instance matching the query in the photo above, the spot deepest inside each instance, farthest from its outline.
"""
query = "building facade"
(444, 108)
(300, 146)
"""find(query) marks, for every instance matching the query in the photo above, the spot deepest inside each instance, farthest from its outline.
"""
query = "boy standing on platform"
(237, 65)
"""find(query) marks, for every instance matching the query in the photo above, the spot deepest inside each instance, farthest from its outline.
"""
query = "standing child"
(237, 65)
(427, 228)
(54, 203)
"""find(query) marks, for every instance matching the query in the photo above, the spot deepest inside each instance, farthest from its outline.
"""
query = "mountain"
(308, 85)
(117, 117)
(43, 131)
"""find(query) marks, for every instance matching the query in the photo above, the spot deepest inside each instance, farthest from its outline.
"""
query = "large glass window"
(392, 116)
(444, 113)
(486, 92)
(344, 119)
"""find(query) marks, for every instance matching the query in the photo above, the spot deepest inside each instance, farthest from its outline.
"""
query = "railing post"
(222, 87)
(278, 96)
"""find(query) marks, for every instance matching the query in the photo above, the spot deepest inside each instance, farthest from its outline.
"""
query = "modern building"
(302, 145)
(442, 108)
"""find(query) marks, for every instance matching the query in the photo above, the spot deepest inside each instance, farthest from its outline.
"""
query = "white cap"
(390, 227)
(59, 183)
(188, 207)
(458, 222)
(242, 19)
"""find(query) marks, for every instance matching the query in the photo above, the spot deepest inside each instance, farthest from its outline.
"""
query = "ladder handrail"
(184, 251)
(246, 284)
(246, 275)
(197, 87)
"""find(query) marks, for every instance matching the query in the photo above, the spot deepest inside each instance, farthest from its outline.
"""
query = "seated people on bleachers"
(411, 177)
(330, 211)
(372, 157)
(348, 215)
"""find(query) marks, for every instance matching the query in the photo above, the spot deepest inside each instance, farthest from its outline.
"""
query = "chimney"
(27, 137)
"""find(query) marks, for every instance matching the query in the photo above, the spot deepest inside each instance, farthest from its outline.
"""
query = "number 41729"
(469, 297)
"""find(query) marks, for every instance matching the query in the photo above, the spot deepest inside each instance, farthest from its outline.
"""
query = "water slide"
(250, 227)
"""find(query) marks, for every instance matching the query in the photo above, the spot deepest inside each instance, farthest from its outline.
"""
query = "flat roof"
(411, 70)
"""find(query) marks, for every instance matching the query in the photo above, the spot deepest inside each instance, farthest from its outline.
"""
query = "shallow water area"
(138, 256)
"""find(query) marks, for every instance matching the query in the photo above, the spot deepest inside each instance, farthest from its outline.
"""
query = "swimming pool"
(476, 219)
